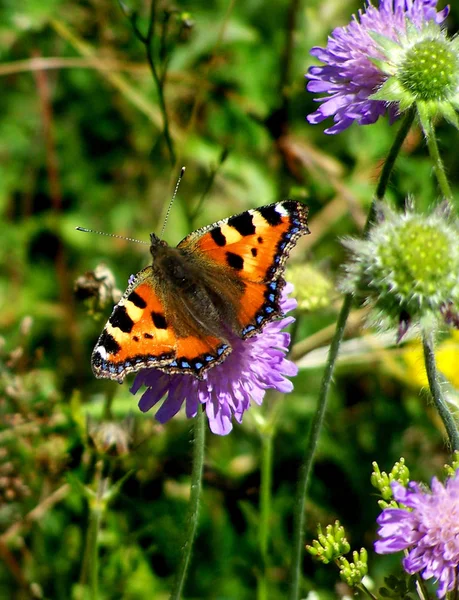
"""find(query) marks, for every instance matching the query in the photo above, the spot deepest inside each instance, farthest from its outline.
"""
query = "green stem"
(93, 536)
(362, 587)
(390, 162)
(265, 510)
(159, 81)
(438, 166)
(147, 40)
(90, 570)
(421, 588)
(193, 506)
(316, 426)
(317, 422)
(435, 389)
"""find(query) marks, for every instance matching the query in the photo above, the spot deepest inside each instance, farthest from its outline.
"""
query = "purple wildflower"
(428, 528)
(255, 364)
(351, 75)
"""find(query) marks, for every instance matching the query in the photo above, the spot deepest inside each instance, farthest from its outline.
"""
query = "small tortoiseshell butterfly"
(178, 315)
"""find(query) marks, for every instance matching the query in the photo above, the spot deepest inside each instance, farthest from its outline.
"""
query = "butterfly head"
(156, 243)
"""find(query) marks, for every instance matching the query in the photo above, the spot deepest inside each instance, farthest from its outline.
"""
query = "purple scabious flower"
(428, 528)
(351, 73)
(255, 365)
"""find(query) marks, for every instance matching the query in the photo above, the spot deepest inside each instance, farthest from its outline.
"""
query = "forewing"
(253, 247)
(254, 244)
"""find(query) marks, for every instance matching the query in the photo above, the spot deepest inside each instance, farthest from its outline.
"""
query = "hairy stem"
(193, 506)
(438, 165)
(390, 162)
(440, 404)
(317, 422)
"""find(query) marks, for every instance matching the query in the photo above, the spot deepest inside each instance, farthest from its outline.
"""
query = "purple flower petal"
(428, 528)
(349, 75)
(255, 365)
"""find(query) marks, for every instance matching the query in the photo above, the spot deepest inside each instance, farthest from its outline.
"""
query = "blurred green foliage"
(81, 144)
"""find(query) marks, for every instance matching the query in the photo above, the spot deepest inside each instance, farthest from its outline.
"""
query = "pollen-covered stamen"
(430, 70)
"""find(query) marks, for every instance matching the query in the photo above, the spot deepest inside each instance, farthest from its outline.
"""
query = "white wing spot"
(101, 350)
(281, 210)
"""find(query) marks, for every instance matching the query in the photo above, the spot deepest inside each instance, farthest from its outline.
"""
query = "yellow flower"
(447, 357)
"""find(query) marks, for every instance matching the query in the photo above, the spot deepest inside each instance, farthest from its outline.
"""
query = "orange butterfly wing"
(252, 247)
(255, 246)
(138, 336)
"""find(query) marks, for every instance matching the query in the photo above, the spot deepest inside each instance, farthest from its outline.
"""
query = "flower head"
(407, 269)
(428, 527)
(371, 65)
(255, 364)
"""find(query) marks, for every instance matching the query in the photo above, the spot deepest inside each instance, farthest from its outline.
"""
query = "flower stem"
(362, 587)
(389, 163)
(90, 570)
(265, 510)
(421, 588)
(93, 535)
(435, 389)
(193, 506)
(438, 166)
(316, 425)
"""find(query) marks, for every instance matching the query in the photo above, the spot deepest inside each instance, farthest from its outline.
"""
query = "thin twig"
(148, 41)
(36, 514)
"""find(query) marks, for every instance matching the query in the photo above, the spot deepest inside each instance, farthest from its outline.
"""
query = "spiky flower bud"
(407, 268)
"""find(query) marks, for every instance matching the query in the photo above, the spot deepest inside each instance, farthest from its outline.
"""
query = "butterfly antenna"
(182, 172)
(121, 237)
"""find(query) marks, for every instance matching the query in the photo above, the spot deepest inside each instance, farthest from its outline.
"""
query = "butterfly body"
(220, 283)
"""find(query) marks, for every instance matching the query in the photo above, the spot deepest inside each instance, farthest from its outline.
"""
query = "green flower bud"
(407, 269)
(331, 545)
(381, 481)
(450, 470)
(352, 573)
(313, 291)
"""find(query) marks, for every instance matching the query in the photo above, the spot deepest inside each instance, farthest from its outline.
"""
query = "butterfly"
(224, 280)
